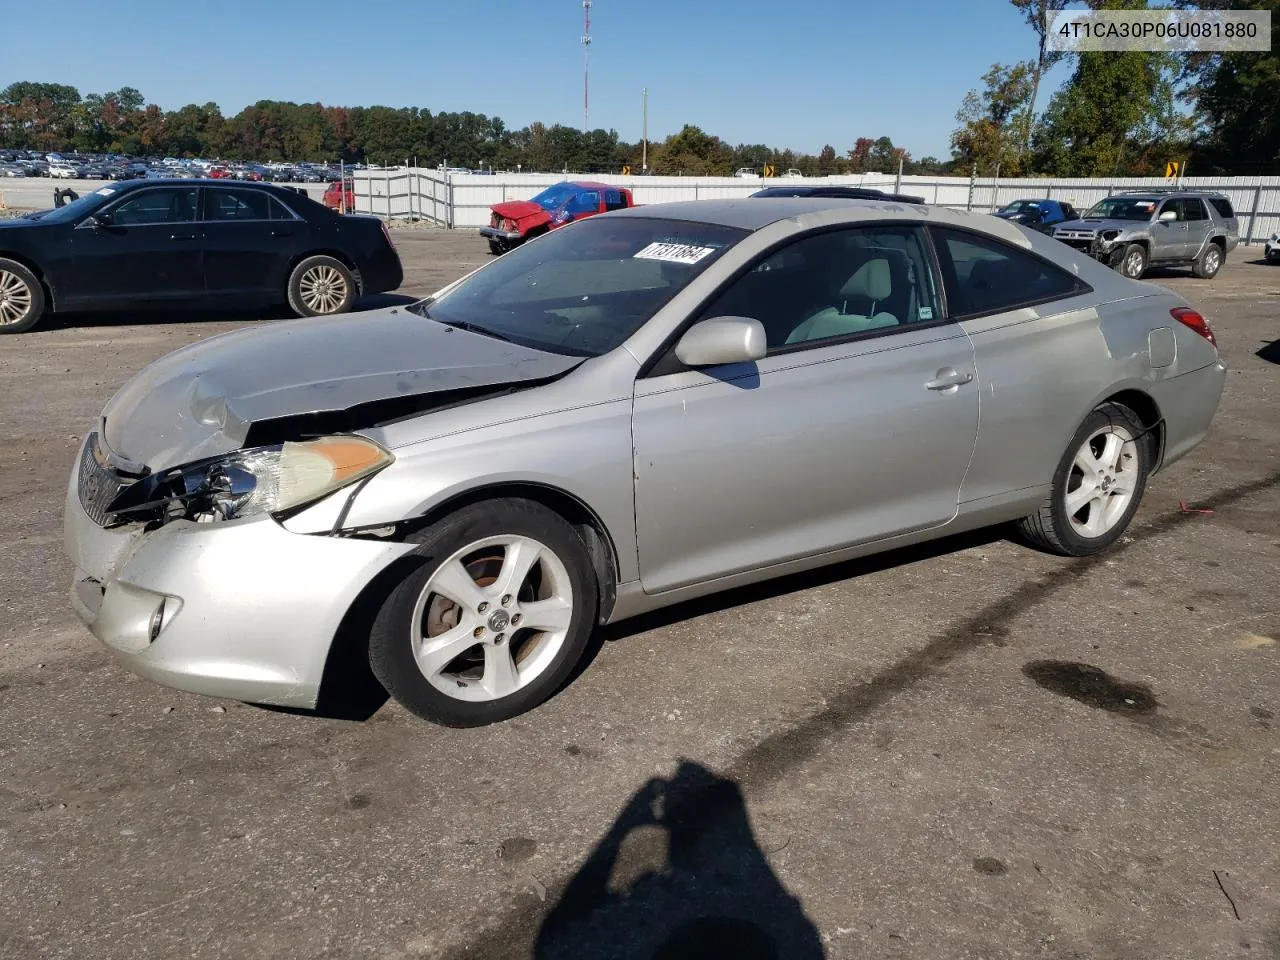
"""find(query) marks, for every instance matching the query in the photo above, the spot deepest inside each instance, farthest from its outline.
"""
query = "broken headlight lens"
(275, 478)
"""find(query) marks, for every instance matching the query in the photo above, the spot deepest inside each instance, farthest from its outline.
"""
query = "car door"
(1168, 237)
(249, 239)
(144, 246)
(1197, 224)
(858, 424)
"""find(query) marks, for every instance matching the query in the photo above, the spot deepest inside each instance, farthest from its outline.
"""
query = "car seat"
(870, 287)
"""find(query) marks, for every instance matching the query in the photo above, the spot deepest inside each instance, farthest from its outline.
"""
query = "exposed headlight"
(271, 479)
(1109, 235)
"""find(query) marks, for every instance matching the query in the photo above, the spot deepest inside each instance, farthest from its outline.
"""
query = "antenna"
(586, 64)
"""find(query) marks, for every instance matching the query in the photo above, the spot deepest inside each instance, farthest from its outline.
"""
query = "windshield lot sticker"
(926, 313)
(104, 192)
(674, 253)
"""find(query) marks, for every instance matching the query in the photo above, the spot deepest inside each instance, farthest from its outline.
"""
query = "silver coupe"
(631, 411)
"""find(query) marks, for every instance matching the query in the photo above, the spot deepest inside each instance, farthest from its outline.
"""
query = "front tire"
(1097, 487)
(1133, 262)
(22, 299)
(493, 615)
(321, 286)
(1208, 263)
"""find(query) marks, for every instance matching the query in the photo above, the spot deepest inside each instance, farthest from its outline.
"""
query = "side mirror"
(722, 340)
(1168, 215)
(98, 220)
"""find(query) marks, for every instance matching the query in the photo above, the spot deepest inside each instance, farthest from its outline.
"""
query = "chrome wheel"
(1212, 260)
(1133, 264)
(1104, 477)
(323, 289)
(492, 618)
(15, 299)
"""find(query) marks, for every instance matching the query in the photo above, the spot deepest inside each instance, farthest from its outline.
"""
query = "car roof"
(751, 214)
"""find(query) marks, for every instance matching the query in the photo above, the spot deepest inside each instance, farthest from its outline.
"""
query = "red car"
(334, 199)
(515, 221)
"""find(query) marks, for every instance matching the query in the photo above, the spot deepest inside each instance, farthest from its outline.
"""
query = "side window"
(1192, 209)
(280, 212)
(836, 284)
(235, 205)
(614, 200)
(1174, 206)
(585, 202)
(1223, 206)
(159, 205)
(984, 275)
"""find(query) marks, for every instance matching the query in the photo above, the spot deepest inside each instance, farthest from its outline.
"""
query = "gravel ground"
(966, 750)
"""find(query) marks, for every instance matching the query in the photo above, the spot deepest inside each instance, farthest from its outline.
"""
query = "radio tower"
(586, 63)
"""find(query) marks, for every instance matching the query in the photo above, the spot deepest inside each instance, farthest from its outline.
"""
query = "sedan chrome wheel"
(1104, 478)
(15, 299)
(492, 618)
(323, 289)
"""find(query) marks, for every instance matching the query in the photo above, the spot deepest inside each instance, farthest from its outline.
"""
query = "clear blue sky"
(793, 74)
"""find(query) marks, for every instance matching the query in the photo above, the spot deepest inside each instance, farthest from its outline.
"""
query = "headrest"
(873, 280)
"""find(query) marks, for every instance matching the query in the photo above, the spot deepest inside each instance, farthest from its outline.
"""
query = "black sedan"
(175, 241)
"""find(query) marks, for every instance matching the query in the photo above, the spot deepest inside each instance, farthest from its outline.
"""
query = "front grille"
(97, 484)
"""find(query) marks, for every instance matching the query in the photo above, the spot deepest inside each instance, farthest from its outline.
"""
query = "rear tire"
(22, 300)
(1209, 262)
(493, 614)
(1097, 487)
(321, 286)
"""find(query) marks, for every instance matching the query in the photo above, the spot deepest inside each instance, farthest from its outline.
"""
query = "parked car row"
(24, 163)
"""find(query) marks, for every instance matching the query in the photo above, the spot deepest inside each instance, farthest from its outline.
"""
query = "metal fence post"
(1048, 191)
(973, 176)
(1253, 217)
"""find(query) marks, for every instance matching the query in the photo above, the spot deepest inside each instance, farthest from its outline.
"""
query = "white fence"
(462, 200)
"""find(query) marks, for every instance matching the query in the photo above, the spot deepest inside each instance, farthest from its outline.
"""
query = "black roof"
(851, 193)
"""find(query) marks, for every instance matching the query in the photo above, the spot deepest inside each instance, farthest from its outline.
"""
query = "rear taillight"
(1190, 318)
(387, 233)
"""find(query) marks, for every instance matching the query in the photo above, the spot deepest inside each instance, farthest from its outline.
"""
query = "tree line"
(1118, 114)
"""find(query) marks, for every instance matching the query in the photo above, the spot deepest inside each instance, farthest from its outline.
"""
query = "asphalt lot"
(970, 750)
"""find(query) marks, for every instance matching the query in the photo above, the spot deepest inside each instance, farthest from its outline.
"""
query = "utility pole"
(586, 65)
(644, 126)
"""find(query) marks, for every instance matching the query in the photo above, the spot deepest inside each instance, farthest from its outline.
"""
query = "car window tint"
(1223, 206)
(585, 202)
(1192, 209)
(236, 205)
(614, 200)
(160, 205)
(280, 212)
(836, 284)
(984, 275)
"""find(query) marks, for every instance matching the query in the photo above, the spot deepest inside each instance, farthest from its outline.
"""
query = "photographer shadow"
(679, 876)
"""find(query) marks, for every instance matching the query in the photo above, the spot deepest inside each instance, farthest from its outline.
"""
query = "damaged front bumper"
(242, 609)
(496, 233)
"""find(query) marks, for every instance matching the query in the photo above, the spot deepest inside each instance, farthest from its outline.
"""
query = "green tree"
(1036, 12)
(693, 152)
(993, 120)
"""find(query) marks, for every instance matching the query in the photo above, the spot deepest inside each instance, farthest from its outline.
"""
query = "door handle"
(948, 379)
(182, 236)
(282, 233)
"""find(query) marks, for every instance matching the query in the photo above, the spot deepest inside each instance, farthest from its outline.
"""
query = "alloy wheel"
(323, 289)
(491, 618)
(1133, 265)
(1104, 477)
(15, 298)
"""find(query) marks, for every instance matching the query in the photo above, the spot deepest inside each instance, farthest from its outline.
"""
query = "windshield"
(78, 208)
(585, 288)
(1122, 208)
(552, 197)
(1022, 206)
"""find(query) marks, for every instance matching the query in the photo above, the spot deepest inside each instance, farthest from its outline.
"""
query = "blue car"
(1042, 215)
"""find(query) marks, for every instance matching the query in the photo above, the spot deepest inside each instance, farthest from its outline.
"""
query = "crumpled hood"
(519, 210)
(1097, 226)
(200, 401)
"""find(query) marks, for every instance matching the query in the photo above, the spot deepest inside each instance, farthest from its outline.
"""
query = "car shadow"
(679, 875)
(158, 314)
(1269, 352)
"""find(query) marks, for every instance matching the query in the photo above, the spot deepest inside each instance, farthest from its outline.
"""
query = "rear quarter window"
(1223, 206)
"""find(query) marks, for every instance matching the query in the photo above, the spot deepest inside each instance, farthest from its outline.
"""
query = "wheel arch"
(39, 275)
(344, 258)
(1142, 404)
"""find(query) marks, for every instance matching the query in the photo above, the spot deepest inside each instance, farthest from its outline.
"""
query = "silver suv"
(1167, 228)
